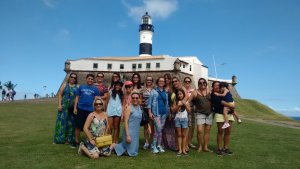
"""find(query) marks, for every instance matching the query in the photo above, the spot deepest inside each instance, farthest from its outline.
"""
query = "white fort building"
(145, 64)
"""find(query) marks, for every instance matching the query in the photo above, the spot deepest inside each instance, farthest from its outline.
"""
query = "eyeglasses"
(174, 81)
(127, 87)
(98, 104)
(73, 77)
(187, 81)
(134, 98)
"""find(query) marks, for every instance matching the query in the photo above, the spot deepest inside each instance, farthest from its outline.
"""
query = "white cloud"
(50, 3)
(157, 8)
(64, 34)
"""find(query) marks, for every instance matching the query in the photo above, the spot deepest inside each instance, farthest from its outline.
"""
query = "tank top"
(203, 104)
(181, 114)
(98, 127)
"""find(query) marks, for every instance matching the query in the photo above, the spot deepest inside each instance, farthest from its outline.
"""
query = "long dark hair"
(75, 78)
(114, 91)
(177, 99)
(112, 79)
(139, 84)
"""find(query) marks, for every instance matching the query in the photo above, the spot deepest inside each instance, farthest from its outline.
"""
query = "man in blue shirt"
(83, 105)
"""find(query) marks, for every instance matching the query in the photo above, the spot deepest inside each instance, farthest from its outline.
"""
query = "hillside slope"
(254, 109)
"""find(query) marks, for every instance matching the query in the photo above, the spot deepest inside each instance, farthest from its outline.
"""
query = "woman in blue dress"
(132, 120)
(64, 127)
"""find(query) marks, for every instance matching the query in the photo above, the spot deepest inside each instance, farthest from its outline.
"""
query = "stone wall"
(155, 74)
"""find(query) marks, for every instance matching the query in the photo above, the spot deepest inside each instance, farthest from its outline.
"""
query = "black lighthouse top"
(146, 23)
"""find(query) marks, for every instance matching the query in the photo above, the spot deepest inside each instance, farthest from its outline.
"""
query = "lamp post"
(215, 66)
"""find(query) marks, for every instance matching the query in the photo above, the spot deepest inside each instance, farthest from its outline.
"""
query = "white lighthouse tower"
(146, 31)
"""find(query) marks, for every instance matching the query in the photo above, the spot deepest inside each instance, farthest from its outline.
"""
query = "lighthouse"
(146, 31)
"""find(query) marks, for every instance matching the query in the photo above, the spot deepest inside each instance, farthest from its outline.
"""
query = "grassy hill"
(27, 135)
(254, 109)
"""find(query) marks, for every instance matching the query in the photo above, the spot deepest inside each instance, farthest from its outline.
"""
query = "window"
(95, 65)
(121, 66)
(134, 66)
(109, 66)
(139, 65)
(190, 67)
(157, 65)
(183, 66)
(148, 65)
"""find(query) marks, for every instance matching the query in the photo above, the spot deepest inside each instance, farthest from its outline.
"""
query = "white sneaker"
(239, 121)
(146, 146)
(155, 150)
(79, 149)
(225, 125)
(160, 149)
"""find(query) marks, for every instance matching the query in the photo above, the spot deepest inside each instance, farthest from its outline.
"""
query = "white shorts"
(203, 119)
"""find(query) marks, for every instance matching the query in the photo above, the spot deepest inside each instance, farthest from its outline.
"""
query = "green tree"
(0, 86)
(9, 85)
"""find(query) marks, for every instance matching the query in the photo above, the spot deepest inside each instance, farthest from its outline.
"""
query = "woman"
(115, 77)
(169, 136)
(158, 106)
(182, 109)
(223, 135)
(145, 96)
(136, 80)
(204, 116)
(132, 120)
(64, 128)
(95, 125)
(114, 109)
(191, 116)
(103, 89)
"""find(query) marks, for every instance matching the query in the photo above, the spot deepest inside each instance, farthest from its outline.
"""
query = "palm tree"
(9, 85)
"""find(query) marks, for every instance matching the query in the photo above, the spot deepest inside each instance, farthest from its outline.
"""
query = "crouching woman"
(132, 121)
(95, 125)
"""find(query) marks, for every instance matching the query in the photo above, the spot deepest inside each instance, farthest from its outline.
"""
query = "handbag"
(104, 140)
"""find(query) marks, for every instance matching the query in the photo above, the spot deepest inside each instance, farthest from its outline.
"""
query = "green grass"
(254, 109)
(27, 134)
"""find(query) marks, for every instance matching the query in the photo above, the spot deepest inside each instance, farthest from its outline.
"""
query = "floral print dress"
(64, 128)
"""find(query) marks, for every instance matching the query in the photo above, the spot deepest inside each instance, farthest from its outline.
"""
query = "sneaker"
(146, 146)
(220, 152)
(160, 149)
(225, 125)
(239, 121)
(228, 152)
(79, 149)
(74, 145)
(192, 146)
(155, 150)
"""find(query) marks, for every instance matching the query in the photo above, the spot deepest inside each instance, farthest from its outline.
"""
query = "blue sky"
(259, 40)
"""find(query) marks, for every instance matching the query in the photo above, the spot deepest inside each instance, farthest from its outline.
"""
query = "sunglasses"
(174, 81)
(134, 98)
(149, 80)
(73, 77)
(98, 104)
(127, 87)
(187, 81)
(202, 83)
(100, 76)
(116, 76)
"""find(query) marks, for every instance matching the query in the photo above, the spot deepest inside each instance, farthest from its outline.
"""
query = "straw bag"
(104, 140)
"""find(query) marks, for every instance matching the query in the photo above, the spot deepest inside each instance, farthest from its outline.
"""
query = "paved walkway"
(289, 124)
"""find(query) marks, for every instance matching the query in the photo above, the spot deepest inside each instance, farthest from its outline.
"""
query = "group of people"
(167, 109)
(9, 95)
